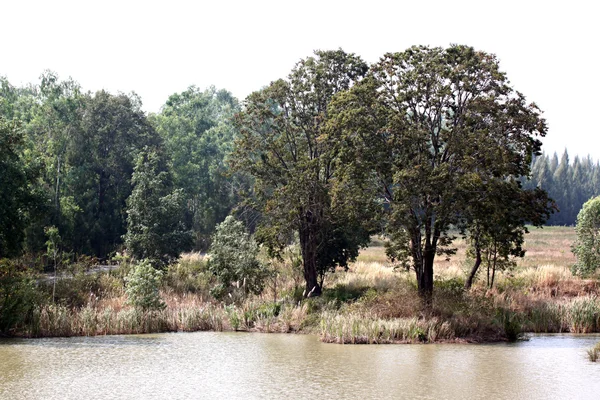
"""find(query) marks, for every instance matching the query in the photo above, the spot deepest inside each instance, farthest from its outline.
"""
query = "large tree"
(429, 122)
(293, 169)
(112, 132)
(155, 227)
(197, 129)
(15, 188)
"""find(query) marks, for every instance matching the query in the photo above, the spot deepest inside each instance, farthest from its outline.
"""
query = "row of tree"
(418, 145)
(71, 158)
(569, 183)
(422, 142)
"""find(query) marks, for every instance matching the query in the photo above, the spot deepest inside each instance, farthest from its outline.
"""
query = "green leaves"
(142, 287)
(233, 260)
(16, 194)
(198, 133)
(281, 144)
(433, 126)
(587, 246)
(155, 228)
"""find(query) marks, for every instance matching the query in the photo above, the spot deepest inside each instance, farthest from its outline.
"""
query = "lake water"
(239, 365)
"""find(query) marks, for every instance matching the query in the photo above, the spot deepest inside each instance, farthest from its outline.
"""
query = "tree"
(429, 122)
(496, 224)
(155, 228)
(16, 195)
(233, 260)
(113, 131)
(197, 129)
(293, 169)
(587, 246)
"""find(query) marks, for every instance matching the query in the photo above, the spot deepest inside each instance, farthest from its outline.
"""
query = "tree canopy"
(280, 145)
(435, 125)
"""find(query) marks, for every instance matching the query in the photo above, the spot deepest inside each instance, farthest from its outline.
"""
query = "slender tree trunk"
(475, 268)
(57, 195)
(494, 265)
(54, 282)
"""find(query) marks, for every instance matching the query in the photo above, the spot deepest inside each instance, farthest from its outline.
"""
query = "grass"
(594, 352)
(371, 302)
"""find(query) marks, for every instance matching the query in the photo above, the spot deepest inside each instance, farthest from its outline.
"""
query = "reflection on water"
(230, 365)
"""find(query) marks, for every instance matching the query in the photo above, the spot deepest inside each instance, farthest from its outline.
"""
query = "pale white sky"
(549, 49)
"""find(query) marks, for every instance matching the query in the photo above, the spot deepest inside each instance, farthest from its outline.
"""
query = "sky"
(549, 49)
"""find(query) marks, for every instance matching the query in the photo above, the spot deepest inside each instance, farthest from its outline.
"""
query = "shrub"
(587, 246)
(233, 260)
(142, 287)
(594, 352)
(18, 295)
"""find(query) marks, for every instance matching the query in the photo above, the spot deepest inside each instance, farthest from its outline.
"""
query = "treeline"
(419, 144)
(72, 159)
(569, 183)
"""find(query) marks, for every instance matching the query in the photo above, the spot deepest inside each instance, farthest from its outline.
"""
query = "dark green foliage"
(432, 125)
(495, 224)
(113, 132)
(17, 197)
(569, 183)
(233, 260)
(18, 295)
(280, 145)
(587, 246)
(155, 228)
(198, 133)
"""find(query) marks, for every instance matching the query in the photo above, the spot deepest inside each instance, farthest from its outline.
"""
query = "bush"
(234, 262)
(18, 296)
(142, 287)
(189, 275)
(587, 246)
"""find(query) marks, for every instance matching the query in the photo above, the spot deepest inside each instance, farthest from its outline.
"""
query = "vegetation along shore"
(397, 202)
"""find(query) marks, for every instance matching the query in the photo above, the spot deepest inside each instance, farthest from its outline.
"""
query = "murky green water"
(229, 365)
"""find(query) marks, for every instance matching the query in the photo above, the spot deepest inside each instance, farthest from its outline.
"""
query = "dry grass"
(371, 302)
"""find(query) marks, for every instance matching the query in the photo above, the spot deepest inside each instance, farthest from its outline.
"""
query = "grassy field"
(371, 302)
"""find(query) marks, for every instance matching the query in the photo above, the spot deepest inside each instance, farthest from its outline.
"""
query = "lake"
(219, 365)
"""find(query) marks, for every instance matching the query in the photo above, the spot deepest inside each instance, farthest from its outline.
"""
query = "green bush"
(18, 296)
(233, 261)
(142, 287)
(188, 276)
(587, 246)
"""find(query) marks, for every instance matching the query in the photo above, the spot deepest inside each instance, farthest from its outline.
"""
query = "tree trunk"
(473, 272)
(426, 281)
(308, 246)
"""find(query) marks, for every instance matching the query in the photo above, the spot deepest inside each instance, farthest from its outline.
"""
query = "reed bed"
(366, 329)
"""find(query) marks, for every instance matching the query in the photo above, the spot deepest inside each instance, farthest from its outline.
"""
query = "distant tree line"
(569, 182)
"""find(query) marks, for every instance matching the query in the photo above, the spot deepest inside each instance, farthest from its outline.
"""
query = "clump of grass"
(584, 314)
(594, 352)
(359, 329)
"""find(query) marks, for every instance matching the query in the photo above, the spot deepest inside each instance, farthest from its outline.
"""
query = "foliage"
(587, 246)
(569, 182)
(432, 124)
(16, 195)
(280, 146)
(142, 287)
(198, 133)
(496, 224)
(155, 228)
(18, 295)
(233, 260)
